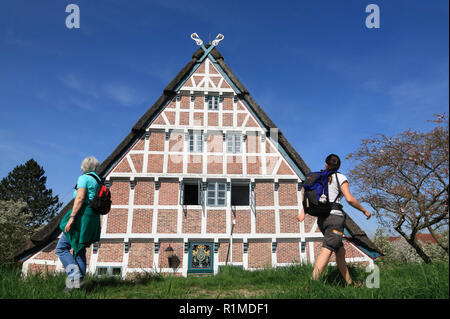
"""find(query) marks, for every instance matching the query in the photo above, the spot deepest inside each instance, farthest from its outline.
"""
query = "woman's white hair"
(89, 164)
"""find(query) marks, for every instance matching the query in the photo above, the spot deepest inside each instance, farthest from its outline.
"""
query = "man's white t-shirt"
(333, 191)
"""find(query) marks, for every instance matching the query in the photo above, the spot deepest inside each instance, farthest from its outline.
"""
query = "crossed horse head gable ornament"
(199, 42)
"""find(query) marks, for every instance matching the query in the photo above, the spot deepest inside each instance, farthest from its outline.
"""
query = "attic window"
(195, 142)
(234, 142)
(213, 102)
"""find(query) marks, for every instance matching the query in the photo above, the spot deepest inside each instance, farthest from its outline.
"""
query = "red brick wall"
(155, 163)
(242, 225)
(254, 165)
(265, 221)
(251, 122)
(195, 164)
(140, 144)
(288, 221)
(110, 252)
(259, 254)
(156, 141)
(168, 193)
(214, 164)
(215, 143)
(227, 119)
(120, 192)
(199, 103)
(117, 221)
(288, 252)
(142, 221)
(170, 117)
(284, 169)
(264, 193)
(140, 255)
(184, 118)
(213, 119)
(198, 119)
(41, 269)
(138, 161)
(234, 164)
(240, 118)
(192, 221)
(309, 222)
(223, 250)
(175, 163)
(227, 103)
(185, 102)
(287, 194)
(216, 221)
(167, 221)
(144, 192)
(123, 166)
(238, 250)
(48, 253)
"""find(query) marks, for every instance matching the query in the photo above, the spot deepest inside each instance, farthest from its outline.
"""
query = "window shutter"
(252, 197)
(181, 192)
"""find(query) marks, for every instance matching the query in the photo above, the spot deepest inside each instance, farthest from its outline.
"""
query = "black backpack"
(316, 199)
(101, 203)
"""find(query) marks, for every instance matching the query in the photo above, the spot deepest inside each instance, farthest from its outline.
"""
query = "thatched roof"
(51, 230)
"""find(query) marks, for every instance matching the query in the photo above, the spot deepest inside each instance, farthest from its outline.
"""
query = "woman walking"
(332, 226)
(80, 226)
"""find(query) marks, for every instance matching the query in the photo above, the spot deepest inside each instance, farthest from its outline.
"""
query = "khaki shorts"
(332, 228)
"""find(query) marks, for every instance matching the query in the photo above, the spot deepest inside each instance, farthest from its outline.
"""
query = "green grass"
(396, 282)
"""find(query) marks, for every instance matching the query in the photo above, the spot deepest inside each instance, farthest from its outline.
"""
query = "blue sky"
(325, 79)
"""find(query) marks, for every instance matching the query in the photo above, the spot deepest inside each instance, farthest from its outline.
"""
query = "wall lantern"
(170, 256)
(169, 252)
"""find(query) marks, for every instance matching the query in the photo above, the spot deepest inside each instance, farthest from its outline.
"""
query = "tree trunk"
(412, 241)
(419, 250)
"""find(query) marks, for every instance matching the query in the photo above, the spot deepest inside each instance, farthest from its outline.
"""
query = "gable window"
(234, 142)
(240, 194)
(195, 142)
(216, 193)
(213, 102)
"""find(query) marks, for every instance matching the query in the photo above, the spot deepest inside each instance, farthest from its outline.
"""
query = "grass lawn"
(414, 281)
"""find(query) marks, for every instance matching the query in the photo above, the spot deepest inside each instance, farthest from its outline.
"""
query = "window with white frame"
(234, 143)
(108, 271)
(213, 102)
(216, 193)
(195, 142)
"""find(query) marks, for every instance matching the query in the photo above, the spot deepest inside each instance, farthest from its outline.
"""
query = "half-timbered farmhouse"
(204, 179)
